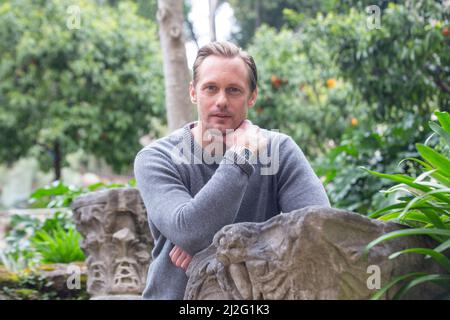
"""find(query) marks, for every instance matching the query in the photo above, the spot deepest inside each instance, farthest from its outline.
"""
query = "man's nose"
(221, 101)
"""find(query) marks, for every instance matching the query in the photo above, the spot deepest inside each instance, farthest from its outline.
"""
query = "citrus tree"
(299, 90)
(401, 72)
(83, 77)
(353, 95)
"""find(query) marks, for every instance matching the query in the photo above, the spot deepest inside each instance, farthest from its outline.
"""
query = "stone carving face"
(256, 261)
(97, 279)
(117, 240)
(128, 253)
(126, 278)
(89, 219)
(252, 261)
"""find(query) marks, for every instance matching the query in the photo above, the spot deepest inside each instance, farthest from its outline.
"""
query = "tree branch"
(434, 72)
(191, 31)
(441, 84)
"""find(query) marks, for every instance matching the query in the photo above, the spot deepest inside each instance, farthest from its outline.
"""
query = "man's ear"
(192, 93)
(253, 96)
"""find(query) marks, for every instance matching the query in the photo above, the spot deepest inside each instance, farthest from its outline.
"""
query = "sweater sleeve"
(190, 222)
(298, 185)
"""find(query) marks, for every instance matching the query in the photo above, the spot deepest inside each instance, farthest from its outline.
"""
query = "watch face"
(243, 152)
(247, 153)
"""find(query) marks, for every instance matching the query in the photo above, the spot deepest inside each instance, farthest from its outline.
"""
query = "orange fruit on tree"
(276, 81)
(446, 32)
(331, 83)
(354, 122)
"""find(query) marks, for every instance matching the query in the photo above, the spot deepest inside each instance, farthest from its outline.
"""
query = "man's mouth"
(221, 115)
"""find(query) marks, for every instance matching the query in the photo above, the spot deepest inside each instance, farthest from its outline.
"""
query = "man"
(221, 176)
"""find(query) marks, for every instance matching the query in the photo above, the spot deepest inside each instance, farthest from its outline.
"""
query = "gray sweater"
(188, 200)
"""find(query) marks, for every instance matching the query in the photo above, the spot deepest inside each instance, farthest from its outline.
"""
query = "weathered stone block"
(116, 240)
(312, 253)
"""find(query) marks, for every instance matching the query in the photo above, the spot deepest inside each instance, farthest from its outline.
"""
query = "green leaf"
(442, 247)
(391, 216)
(95, 186)
(415, 215)
(58, 189)
(434, 158)
(408, 181)
(393, 282)
(385, 209)
(444, 119)
(438, 176)
(438, 257)
(440, 279)
(424, 164)
(434, 218)
(441, 132)
(404, 233)
(398, 178)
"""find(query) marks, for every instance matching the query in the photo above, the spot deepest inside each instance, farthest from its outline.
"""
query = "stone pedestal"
(312, 253)
(117, 242)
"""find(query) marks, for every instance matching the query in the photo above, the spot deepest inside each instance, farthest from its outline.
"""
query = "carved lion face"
(256, 259)
(252, 261)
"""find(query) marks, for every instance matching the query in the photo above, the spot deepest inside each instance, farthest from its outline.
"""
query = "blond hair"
(227, 50)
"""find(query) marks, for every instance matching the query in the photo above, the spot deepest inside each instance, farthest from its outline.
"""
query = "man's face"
(222, 93)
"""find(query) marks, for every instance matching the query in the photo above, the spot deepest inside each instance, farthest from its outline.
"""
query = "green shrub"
(425, 208)
(21, 251)
(31, 241)
(58, 245)
(18, 253)
(60, 195)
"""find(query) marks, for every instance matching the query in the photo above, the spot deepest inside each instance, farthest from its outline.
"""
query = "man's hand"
(180, 258)
(247, 135)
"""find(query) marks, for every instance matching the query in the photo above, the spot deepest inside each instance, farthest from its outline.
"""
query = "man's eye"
(234, 90)
(210, 88)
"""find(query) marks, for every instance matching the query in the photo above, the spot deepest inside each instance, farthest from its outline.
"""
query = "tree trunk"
(212, 20)
(179, 108)
(257, 14)
(57, 160)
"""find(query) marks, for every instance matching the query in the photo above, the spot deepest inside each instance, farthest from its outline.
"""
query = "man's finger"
(173, 251)
(186, 262)
(181, 258)
(174, 258)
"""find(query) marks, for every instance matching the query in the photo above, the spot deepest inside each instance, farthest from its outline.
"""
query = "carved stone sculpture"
(312, 253)
(116, 240)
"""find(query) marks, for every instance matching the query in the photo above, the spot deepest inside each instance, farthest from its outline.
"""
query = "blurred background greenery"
(348, 94)
(77, 104)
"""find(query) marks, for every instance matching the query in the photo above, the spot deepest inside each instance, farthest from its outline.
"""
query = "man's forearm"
(191, 222)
